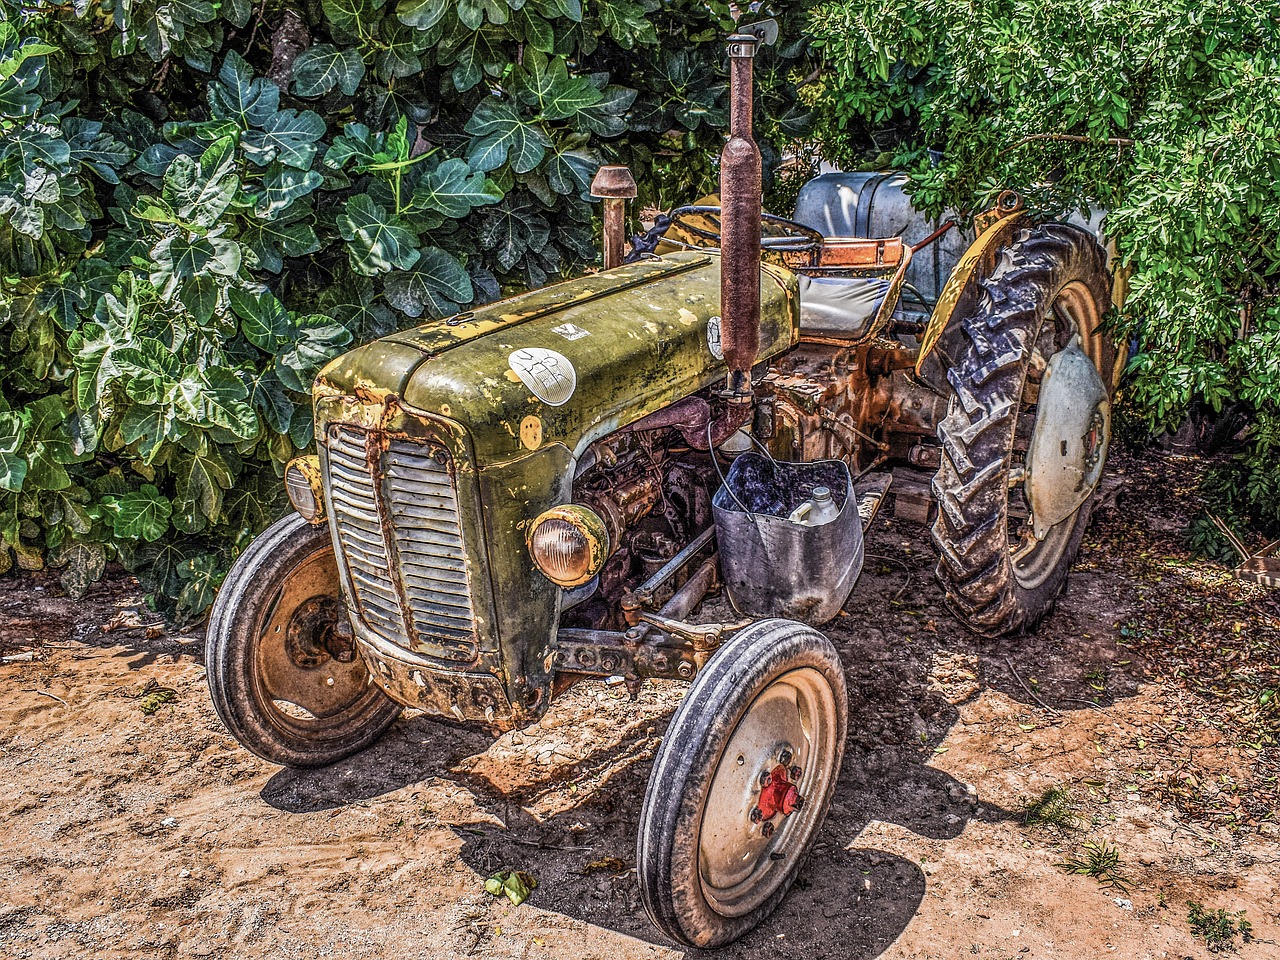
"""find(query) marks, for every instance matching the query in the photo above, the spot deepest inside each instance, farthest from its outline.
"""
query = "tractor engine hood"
(566, 364)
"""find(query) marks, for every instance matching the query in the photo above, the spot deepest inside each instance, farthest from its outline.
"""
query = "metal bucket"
(776, 568)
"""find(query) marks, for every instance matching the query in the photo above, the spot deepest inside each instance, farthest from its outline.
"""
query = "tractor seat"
(854, 286)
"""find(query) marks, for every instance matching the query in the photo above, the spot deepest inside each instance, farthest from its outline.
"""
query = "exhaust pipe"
(740, 187)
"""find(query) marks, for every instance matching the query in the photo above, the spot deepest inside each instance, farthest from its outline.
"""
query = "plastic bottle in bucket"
(817, 510)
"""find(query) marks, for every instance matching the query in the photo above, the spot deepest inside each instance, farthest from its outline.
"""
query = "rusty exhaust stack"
(740, 185)
(614, 185)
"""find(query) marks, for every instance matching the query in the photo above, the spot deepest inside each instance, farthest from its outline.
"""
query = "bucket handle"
(725, 483)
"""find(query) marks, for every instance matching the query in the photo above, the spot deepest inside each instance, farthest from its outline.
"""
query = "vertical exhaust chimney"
(740, 186)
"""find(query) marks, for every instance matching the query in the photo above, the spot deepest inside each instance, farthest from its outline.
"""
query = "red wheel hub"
(778, 795)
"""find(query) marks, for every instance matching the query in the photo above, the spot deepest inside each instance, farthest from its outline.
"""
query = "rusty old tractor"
(545, 489)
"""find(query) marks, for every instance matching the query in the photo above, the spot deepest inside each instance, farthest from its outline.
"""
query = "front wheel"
(1026, 432)
(742, 783)
(283, 672)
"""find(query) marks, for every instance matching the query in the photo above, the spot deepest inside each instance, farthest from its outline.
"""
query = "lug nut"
(795, 772)
(767, 830)
(766, 778)
(756, 815)
(784, 757)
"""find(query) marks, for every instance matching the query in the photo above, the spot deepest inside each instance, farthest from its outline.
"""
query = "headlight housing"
(305, 487)
(569, 544)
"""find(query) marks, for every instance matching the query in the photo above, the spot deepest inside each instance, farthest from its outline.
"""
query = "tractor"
(545, 489)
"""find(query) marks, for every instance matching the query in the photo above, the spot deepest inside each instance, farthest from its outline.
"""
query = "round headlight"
(569, 544)
(303, 484)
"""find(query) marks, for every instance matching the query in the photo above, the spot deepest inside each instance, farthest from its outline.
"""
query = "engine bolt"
(784, 757)
(767, 830)
(796, 773)
(685, 670)
(756, 815)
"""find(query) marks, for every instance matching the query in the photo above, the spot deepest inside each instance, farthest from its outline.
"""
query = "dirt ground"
(133, 825)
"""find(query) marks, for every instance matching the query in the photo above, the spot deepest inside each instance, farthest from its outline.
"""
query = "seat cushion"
(840, 306)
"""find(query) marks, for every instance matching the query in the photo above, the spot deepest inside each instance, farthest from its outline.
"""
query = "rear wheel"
(283, 672)
(742, 783)
(1026, 432)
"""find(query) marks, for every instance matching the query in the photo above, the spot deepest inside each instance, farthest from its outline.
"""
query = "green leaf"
(200, 296)
(423, 14)
(202, 576)
(222, 403)
(201, 478)
(281, 187)
(15, 58)
(266, 394)
(318, 340)
(200, 196)
(288, 136)
(83, 565)
(63, 301)
(269, 241)
(17, 100)
(263, 318)
(99, 151)
(149, 369)
(453, 190)
(437, 285)
(36, 148)
(90, 349)
(353, 18)
(379, 241)
(399, 55)
(607, 118)
(140, 515)
(545, 83)
(238, 96)
(511, 230)
(501, 137)
(322, 67)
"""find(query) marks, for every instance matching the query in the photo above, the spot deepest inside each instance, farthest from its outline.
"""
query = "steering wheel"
(793, 243)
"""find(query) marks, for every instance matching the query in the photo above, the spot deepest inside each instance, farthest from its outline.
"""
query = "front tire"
(772, 697)
(1048, 288)
(274, 676)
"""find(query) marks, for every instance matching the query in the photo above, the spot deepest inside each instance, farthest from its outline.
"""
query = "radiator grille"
(422, 504)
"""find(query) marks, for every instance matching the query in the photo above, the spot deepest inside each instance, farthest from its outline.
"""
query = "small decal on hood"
(549, 375)
(571, 331)
(713, 338)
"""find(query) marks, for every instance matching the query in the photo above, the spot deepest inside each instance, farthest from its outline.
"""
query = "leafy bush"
(201, 202)
(1167, 115)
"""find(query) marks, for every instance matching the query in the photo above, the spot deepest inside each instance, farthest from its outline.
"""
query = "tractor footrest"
(870, 492)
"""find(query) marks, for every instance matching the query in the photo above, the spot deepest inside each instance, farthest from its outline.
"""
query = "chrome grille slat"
(422, 506)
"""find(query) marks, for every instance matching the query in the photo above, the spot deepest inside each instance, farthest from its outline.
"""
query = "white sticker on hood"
(713, 338)
(549, 375)
(571, 331)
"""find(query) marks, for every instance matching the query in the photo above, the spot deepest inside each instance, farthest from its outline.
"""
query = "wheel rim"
(1074, 312)
(300, 685)
(739, 867)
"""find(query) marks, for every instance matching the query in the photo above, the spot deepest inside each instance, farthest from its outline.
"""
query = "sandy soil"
(135, 834)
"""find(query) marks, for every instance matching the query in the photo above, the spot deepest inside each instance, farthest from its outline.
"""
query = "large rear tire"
(711, 864)
(273, 663)
(1048, 290)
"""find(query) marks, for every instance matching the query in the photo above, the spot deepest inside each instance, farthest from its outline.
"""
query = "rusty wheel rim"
(739, 866)
(298, 681)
